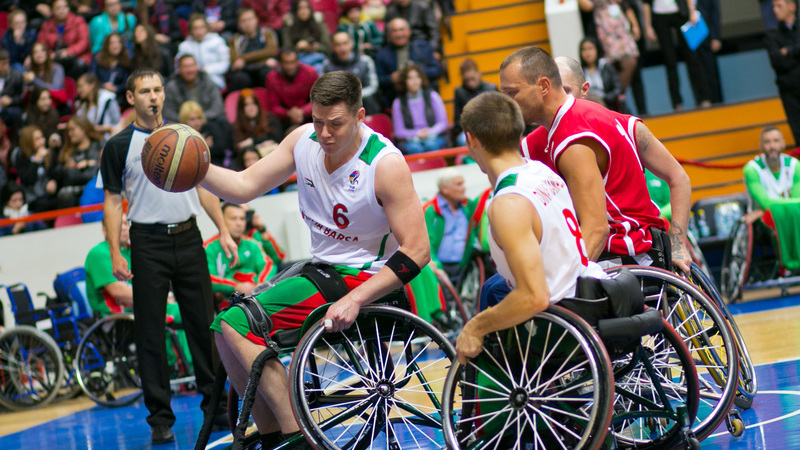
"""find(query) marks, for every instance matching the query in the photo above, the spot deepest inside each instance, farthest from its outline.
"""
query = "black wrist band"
(404, 267)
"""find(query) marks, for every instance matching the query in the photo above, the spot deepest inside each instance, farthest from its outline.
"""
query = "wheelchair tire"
(571, 409)
(31, 368)
(706, 334)
(469, 285)
(650, 383)
(106, 363)
(736, 260)
(748, 384)
(362, 387)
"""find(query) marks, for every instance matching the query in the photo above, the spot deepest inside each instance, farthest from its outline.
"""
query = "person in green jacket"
(105, 293)
(253, 267)
(257, 230)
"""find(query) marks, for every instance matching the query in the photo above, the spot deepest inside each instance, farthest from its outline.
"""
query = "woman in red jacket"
(66, 36)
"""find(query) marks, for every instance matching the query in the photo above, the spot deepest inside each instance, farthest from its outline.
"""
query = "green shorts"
(288, 303)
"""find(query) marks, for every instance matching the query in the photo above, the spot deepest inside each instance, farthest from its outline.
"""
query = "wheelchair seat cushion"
(624, 294)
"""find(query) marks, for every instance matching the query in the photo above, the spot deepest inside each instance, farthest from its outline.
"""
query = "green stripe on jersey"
(313, 137)
(510, 180)
(371, 150)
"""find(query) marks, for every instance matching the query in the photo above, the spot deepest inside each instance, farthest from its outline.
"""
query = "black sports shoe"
(161, 434)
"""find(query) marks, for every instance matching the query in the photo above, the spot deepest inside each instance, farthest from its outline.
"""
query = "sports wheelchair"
(752, 258)
(362, 387)
(558, 382)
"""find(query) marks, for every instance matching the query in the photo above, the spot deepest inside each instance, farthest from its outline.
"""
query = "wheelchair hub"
(518, 398)
(385, 388)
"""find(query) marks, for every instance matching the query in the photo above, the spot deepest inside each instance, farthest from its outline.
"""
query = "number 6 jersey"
(561, 243)
(348, 226)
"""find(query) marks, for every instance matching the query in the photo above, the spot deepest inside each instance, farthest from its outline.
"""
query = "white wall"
(35, 258)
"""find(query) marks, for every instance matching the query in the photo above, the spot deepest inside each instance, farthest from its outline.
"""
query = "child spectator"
(18, 39)
(12, 200)
(418, 113)
(471, 86)
(34, 163)
(112, 19)
(112, 65)
(147, 52)
(366, 36)
(97, 104)
(209, 50)
(255, 127)
(42, 71)
(78, 161)
(601, 75)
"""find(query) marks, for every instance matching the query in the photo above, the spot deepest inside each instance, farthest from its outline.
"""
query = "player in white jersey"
(357, 198)
(530, 216)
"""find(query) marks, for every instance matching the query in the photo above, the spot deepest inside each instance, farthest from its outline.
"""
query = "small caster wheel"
(734, 423)
(743, 402)
(693, 444)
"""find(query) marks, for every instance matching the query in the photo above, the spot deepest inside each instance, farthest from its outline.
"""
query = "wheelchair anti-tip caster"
(734, 423)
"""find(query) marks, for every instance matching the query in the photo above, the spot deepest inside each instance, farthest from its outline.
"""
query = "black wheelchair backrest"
(624, 294)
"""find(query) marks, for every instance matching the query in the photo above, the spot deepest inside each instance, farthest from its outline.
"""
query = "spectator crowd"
(238, 71)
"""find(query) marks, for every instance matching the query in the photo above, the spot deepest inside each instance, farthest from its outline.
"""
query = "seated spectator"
(79, 160)
(343, 57)
(304, 33)
(374, 11)
(85, 8)
(66, 36)
(160, 15)
(420, 19)
(18, 38)
(270, 12)
(37, 12)
(220, 15)
(12, 201)
(209, 50)
(601, 75)
(10, 93)
(112, 19)
(8, 173)
(42, 71)
(191, 83)
(447, 218)
(147, 52)
(97, 104)
(772, 177)
(288, 90)
(418, 113)
(247, 157)
(40, 112)
(366, 36)
(253, 52)
(471, 86)
(216, 133)
(256, 229)
(399, 51)
(106, 294)
(112, 65)
(255, 127)
(35, 166)
(252, 268)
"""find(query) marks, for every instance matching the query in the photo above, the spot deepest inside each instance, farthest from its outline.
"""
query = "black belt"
(165, 228)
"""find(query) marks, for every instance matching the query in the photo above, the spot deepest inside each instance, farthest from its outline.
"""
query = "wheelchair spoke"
(492, 379)
(549, 422)
(409, 424)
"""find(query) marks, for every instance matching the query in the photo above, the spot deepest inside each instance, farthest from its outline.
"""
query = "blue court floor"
(772, 423)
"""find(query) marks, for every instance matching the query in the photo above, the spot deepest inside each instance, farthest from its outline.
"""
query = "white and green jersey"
(561, 245)
(348, 226)
(776, 185)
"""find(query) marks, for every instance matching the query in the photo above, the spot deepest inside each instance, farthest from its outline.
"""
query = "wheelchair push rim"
(351, 390)
(515, 402)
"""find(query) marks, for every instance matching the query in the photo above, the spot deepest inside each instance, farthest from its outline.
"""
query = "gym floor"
(771, 327)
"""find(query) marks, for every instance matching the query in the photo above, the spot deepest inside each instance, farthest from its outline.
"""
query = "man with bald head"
(401, 49)
(601, 155)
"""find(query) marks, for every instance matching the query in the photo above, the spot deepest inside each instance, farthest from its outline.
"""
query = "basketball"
(175, 158)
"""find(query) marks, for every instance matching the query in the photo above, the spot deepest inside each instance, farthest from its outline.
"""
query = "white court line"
(783, 417)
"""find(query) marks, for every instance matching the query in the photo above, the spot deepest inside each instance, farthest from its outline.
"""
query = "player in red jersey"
(601, 155)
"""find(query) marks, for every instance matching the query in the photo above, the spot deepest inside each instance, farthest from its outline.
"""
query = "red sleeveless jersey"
(629, 210)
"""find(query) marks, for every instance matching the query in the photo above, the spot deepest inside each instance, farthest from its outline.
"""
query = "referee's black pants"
(158, 259)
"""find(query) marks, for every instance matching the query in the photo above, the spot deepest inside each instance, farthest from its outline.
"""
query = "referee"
(166, 252)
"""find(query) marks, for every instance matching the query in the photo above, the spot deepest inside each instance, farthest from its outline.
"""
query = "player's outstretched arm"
(514, 224)
(395, 192)
(656, 158)
(268, 173)
(579, 167)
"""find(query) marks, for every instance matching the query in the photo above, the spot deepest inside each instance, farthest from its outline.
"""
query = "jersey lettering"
(572, 224)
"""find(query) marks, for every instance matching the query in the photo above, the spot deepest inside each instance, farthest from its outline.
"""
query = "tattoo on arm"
(676, 236)
(643, 137)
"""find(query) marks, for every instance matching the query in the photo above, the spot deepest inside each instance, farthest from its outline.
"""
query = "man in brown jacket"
(253, 52)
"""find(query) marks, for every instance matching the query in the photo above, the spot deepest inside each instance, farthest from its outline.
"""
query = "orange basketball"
(175, 158)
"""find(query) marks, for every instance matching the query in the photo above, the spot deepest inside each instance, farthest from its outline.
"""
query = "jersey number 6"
(340, 219)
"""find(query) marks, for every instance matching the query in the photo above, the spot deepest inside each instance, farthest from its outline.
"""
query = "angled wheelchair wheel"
(748, 385)
(656, 393)
(106, 365)
(469, 285)
(546, 383)
(736, 260)
(706, 334)
(31, 368)
(373, 385)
